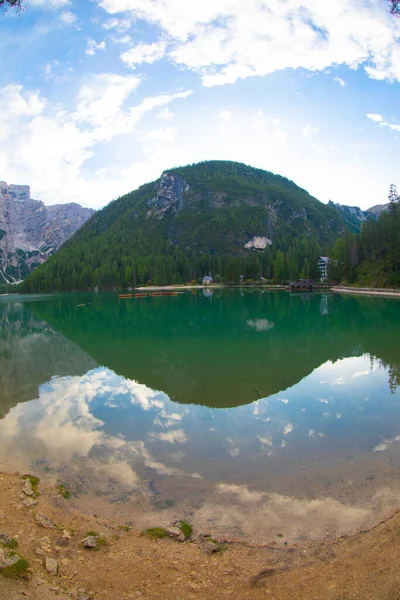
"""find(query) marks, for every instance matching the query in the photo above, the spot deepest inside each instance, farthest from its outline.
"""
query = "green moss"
(155, 533)
(17, 570)
(12, 544)
(90, 533)
(34, 483)
(63, 491)
(186, 529)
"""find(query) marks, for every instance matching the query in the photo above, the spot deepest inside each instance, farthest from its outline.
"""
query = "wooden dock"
(307, 285)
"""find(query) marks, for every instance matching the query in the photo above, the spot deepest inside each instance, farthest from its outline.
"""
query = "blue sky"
(100, 96)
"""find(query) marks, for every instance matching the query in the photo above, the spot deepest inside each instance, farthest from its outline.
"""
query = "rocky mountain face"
(354, 216)
(30, 231)
(252, 207)
(375, 211)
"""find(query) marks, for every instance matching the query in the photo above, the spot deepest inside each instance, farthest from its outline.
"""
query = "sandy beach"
(48, 533)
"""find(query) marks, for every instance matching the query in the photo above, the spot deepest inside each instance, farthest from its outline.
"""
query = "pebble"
(90, 541)
(44, 521)
(208, 546)
(65, 562)
(176, 533)
(45, 540)
(51, 565)
(83, 596)
(28, 502)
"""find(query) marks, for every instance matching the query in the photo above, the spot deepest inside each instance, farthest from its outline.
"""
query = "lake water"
(255, 414)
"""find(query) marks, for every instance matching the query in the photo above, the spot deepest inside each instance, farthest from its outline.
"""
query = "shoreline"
(213, 286)
(366, 291)
(128, 565)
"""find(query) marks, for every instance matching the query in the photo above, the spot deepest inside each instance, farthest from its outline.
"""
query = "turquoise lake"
(253, 414)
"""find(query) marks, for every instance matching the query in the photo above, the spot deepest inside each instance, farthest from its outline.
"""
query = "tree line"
(81, 270)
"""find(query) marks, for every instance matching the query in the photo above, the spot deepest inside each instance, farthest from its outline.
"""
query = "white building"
(323, 266)
(208, 280)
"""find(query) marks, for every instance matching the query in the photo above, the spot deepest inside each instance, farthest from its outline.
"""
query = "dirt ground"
(130, 566)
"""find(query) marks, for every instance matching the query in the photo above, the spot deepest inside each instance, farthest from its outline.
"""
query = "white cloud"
(143, 53)
(224, 43)
(225, 115)
(360, 373)
(314, 434)
(100, 100)
(340, 81)
(67, 17)
(308, 129)
(48, 146)
(174, 436)
(50, 3)
(120, 25)
(242, 492)
(234, 452)
(57, 71)
(375, 117)
(124, 40)
(166, 134)
(288, 429)
(338, 381)
(383, 122)
(266, 441)
(93, 46)
(384, 445)
(166, 114)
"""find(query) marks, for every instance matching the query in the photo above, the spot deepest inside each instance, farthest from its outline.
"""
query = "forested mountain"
(219, 216)
(372, 257)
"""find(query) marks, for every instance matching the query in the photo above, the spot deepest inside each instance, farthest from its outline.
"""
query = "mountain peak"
(19, 193)
(31, 231)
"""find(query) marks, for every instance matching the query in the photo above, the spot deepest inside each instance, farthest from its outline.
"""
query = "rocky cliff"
(354, 216)
(31, 231)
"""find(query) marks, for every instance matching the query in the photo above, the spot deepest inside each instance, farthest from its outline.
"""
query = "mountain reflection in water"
(262, 398)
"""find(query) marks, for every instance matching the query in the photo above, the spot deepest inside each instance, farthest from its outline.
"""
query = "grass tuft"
(156, 533)
(17, 570)
(101, 541)
(186, 528)
(63, 491)
(89, 533)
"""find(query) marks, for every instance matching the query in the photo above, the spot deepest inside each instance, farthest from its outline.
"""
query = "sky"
(100, 96)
